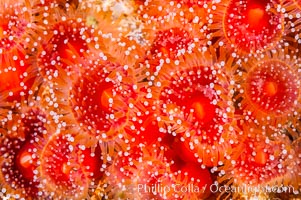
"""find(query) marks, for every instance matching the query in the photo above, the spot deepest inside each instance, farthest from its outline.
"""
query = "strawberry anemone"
(196, 103)
(16, 25)
(99, 99)
(171, 42)
(248, 26)
(66, 43)
(18, 164)
(20, 153)
(61, 169)
(270, 89)
(263, 24)
(260, 162)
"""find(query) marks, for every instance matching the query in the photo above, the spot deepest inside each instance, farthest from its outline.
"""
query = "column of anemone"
(269, 89)
(117, 33)
(18, 35)
(196, 103)
(21, 152)
(169, 41)
(137, 173)
(247, 26)
(259, 162)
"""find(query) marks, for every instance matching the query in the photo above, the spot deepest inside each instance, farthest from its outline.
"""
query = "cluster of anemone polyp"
(141, 100)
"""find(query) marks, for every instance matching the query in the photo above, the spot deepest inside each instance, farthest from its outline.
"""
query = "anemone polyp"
(61, 170)
(249, 26)
(171, 39)
(100, 98)
(66, 41)
(20, 150)
(271, 88)
(34, 123)
(263, 23)
(196, 101)
(19, 160)
(170, 43)
(260, 162)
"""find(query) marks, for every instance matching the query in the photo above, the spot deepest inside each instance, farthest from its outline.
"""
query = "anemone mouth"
(253, 25)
